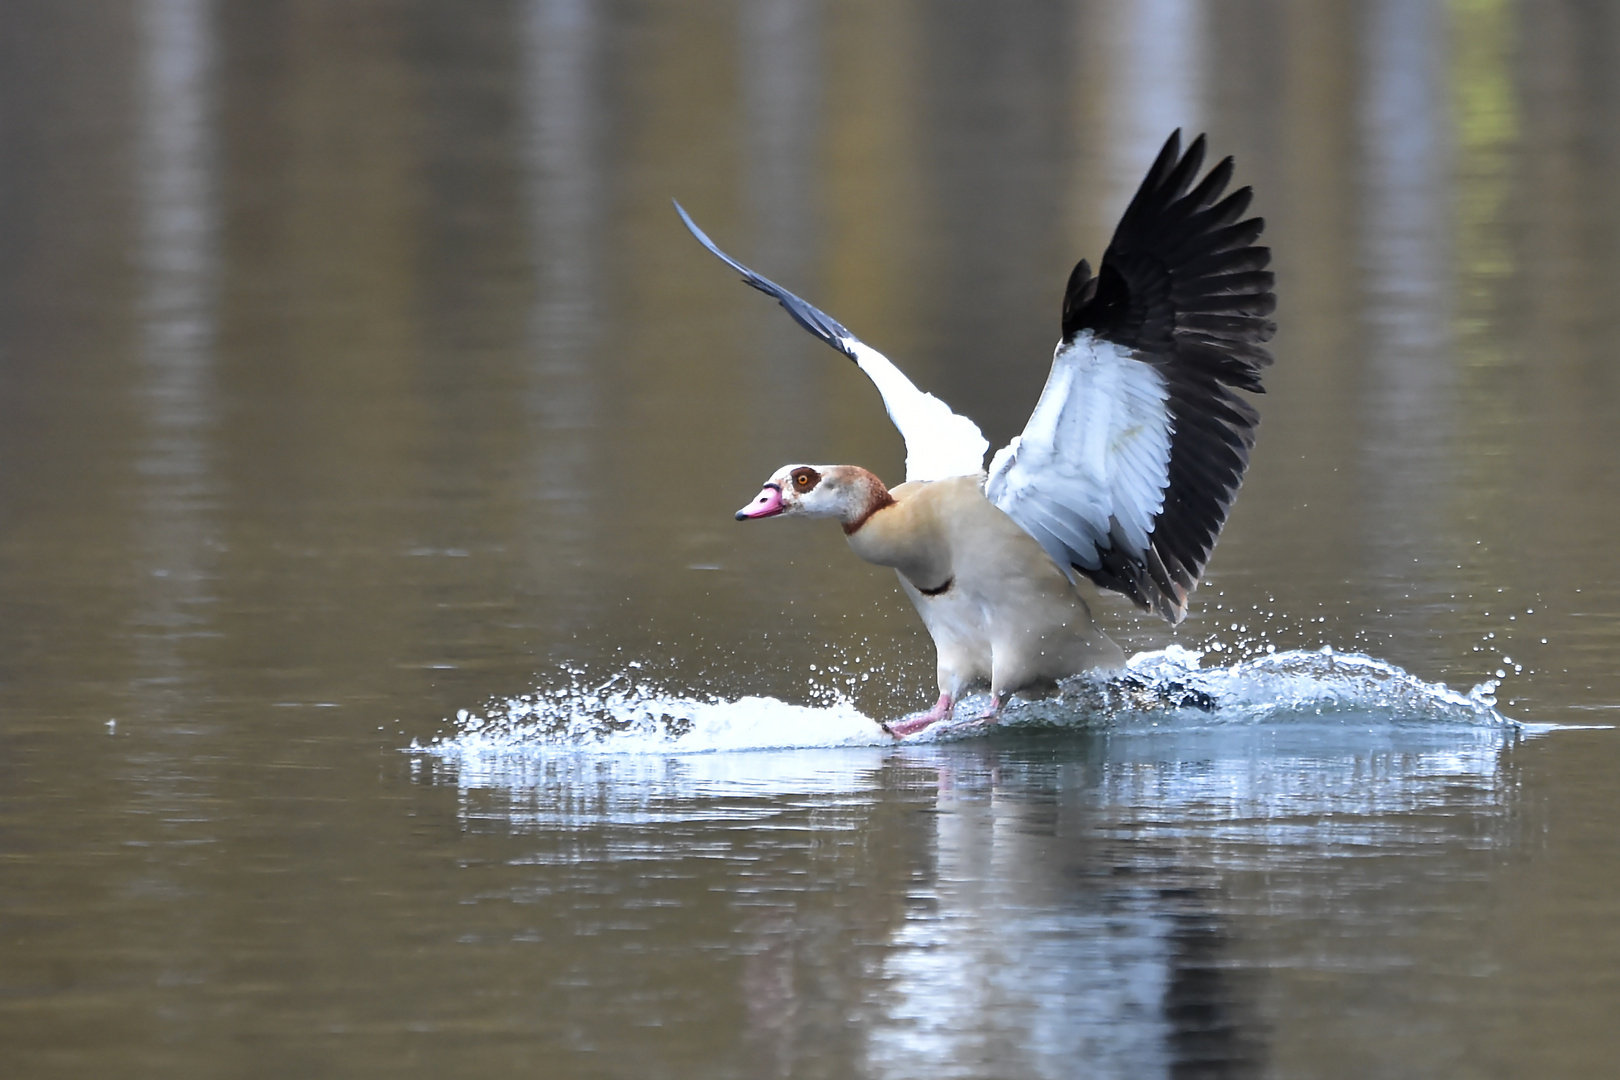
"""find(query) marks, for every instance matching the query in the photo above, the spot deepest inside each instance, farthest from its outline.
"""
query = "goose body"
(1124, 474)
(999, 609)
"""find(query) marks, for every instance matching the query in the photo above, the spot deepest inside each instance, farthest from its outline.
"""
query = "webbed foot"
(1177, 695)
(941, 711)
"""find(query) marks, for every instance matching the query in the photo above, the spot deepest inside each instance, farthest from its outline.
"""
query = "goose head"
(846, 492)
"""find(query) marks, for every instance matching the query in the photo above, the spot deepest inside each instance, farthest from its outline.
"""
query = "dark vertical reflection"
(1300, 472)
(323, 332)
(874, 253)
(66, 415)
(1215, 1029)
(995, 130)
(464, 556)
(781, 65)
(1561, 213)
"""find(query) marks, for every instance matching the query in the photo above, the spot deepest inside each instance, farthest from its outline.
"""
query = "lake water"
(386, 689)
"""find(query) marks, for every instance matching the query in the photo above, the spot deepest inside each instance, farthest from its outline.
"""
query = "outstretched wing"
(1128, 467)
(939, 442)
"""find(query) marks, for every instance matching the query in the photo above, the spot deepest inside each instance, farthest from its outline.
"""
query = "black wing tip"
(1135, 581)
(749, 277)
(692, 226)
(807, 315)
(1156, 581)
(1169, 154)
(1173, 246)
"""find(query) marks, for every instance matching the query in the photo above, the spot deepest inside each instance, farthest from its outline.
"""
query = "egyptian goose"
(1124, 473)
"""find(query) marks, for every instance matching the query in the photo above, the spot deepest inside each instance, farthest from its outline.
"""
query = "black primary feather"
(807, 315)
(1184, 286)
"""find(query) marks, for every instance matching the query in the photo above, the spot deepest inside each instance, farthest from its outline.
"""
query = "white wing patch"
(1092, 465)
(939, 442)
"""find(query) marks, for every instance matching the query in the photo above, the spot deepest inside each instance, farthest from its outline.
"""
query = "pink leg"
(993, 713)
(940, 711)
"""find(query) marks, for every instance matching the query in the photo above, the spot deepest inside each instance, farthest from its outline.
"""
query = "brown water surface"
(355, 372)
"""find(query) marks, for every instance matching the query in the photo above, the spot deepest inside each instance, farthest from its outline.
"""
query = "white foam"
(635, 721)
(1319, 683)
(1286, 690)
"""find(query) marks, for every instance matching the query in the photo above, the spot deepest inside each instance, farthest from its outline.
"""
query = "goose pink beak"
(768, 504)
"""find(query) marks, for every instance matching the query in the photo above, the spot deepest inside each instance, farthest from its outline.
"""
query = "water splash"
(1162, 690)
(1319, 683)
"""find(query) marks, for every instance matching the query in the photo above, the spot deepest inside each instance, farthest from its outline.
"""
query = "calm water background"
(355, 371)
